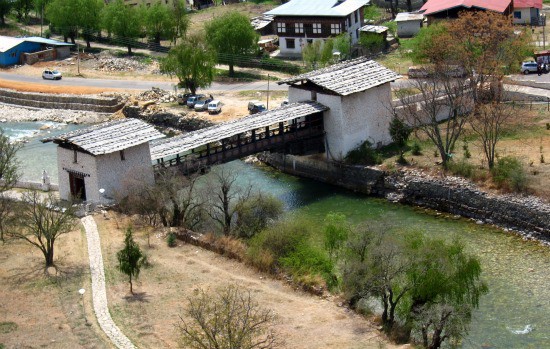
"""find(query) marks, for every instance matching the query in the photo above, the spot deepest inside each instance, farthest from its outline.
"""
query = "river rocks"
(19, 114)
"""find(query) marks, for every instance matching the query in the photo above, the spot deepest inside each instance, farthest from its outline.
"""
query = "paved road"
(138, 84)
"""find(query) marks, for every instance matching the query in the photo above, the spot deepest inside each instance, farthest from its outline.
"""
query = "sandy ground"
(150, 317)
(40, 311)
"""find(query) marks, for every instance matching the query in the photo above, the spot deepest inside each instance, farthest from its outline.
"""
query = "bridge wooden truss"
(293, 129)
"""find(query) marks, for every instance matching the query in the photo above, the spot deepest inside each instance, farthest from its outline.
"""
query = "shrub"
(462, 168)
(508, 172)
(306, 260)
(364, 155)
(171, 240)
(416, 149)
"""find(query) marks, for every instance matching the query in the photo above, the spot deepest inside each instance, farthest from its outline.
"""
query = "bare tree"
(9, 174)
(489, 119)
(41, 221)
(227, 319)
(439, 111)
(224, 194)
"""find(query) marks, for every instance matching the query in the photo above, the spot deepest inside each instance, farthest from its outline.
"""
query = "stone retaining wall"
(527, 215)
(53, 101)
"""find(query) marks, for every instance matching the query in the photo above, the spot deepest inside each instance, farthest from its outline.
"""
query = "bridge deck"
(297, 128)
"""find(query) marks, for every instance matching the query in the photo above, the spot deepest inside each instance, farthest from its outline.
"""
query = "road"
(139, 84)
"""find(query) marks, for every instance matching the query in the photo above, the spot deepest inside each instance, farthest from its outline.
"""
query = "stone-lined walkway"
(99, 295)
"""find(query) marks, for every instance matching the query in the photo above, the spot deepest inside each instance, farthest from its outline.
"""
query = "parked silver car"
(529, 67)
(202, 105)
(51, 74)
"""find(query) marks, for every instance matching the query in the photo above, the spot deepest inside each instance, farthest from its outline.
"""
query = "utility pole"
(267, 106)
(78, 58)
(42, 20)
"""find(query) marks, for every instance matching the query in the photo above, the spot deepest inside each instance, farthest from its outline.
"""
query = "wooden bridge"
(293, 129)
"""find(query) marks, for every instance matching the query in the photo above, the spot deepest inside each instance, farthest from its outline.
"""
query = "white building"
(408, 24)
(527, 12)
(300, 22)
(109, 156)
(358, 95)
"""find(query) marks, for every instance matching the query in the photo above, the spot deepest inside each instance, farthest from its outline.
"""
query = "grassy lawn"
(398, 60)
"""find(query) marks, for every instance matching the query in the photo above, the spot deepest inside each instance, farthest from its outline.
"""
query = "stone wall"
(527, 215)
(54, 101)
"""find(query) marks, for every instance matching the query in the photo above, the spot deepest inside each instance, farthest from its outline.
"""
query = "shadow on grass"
(141, 297)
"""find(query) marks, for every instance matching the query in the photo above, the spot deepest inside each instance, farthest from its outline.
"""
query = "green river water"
(516, 312)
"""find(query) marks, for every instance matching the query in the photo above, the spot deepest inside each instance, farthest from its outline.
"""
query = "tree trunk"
(129, 50)
(49, 257)
(409, 6)
(131, 288)
(88, 42)
(231, 69)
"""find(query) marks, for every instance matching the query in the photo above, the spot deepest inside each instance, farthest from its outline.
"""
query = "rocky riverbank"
(526, 215)
(10, 113)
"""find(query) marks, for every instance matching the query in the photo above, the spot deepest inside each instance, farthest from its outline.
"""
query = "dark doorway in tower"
(78, 187)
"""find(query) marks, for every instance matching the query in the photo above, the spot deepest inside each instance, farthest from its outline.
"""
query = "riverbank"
(10, 113)
(526, 215)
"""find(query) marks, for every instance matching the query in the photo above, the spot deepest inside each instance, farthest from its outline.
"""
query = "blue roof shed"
(11, 48)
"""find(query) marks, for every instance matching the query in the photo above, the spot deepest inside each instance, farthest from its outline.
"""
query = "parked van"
(214, 107)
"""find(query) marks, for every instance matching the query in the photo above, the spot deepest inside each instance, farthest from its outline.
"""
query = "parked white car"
(529, 67)
(51, 74)
(214, 107)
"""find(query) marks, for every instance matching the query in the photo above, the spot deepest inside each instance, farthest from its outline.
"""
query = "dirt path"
(45, 88)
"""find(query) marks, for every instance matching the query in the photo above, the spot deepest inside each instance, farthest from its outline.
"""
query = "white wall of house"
(115, 175)
(352, 119)
(85, 163)
(408, 28)
(525, 15)
(353, 29)
(107, 171)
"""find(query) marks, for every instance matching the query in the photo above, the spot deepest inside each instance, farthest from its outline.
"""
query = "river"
(515, 313)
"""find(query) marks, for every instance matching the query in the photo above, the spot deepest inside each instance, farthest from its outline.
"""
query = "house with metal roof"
(300, 22)
(441, 9)
(528, 12)
(357, 94)
(21, 50)
(408, 23)
(112, 156)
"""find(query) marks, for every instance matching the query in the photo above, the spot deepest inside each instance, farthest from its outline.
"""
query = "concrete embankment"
(97, 104)
(526, 215)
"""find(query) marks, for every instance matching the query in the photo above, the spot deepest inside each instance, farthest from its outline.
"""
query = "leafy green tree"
(41, 221)
(318, 54)
(446, 288)
(227, 319)
(372, 12)
(159, 22)
(130, 258)
(5, 9)
(22, 9)
(342, 44)
(89, 16)
(399, 132)
(335, 233)
(427, 279)
(63, 16)
(192, 61)
(122, 21)
(181, 18)
(232, 36)
(9, 174)
(372, 41)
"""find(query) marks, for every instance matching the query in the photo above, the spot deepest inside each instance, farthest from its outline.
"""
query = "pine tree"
(130, 258)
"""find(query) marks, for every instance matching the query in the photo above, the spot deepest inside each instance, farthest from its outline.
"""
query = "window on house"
(316, 28)
(517, 14)
(290, 43)
(75, 156)
(355, 16)
(281, 27)
(313, 95)
(335, 28)
(349, 21)
(122, 157)
(299, 27)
